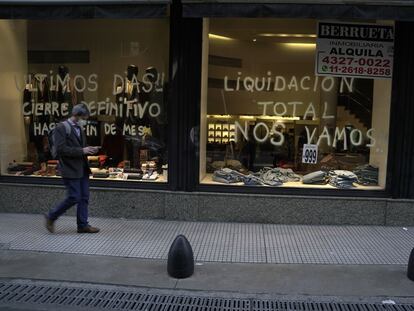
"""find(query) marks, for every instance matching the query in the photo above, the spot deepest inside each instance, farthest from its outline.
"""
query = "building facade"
(274, 111)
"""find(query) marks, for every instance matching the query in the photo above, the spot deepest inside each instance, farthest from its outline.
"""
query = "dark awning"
(331, 9)
(72, 9)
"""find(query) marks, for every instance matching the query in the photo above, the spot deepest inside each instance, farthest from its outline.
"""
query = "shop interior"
(259, 85)
(119, 68)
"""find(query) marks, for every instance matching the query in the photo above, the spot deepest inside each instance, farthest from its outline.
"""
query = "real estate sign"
(354, 50)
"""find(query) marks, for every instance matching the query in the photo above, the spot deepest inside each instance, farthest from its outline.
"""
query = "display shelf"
(160, 179)
(220, 132)
(208, 180)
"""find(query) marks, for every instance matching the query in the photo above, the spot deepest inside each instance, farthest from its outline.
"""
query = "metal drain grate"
(12, 292)
(265, 305)
(112, 300)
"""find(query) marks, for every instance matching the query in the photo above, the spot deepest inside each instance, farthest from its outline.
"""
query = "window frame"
(184, 94)
(36, 11)
(391, 187)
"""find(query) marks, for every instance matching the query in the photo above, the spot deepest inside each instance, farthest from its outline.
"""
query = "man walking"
(72, 151)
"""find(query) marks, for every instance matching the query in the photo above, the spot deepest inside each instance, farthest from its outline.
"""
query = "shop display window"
(118, 68)
(269, 119)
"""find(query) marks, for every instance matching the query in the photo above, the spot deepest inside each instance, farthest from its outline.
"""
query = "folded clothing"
(267, 176)
(342, 179)
(251, 180)
(367, 174)
(227, 176)
(318, 178)
(277, 176)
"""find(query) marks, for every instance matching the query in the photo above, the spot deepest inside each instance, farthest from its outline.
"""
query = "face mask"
(82, 122)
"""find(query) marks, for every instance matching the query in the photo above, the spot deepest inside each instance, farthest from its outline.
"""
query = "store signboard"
(310, 154)
(354, 50)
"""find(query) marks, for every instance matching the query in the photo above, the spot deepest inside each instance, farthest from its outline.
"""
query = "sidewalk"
(214, 242)
(328, 262)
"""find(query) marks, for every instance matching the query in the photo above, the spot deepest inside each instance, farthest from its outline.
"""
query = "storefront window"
(118, 68)
(281, 107)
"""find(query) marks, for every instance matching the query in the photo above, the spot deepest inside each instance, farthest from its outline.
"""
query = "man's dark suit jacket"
(73, 163)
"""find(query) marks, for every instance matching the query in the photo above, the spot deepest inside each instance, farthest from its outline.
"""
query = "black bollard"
(410, 269)
(180, 258)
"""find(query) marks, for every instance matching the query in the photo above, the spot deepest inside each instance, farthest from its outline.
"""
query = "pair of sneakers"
(50, 226)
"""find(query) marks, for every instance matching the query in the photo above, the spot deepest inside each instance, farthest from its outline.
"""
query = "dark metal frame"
(66, 10)
(400, 164)
(184, 117)
(400, 174)
(85, 10)
(317, 10)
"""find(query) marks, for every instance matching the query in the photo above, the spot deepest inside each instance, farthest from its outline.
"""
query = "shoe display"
(134, 176)
(88, 229)
(133, 171)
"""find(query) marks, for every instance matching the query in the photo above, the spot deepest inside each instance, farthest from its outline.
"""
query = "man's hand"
(90, 150)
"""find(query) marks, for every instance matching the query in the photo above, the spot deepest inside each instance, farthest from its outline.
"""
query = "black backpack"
(51, 138)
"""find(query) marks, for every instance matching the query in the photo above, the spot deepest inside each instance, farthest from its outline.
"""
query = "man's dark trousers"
(77, 193)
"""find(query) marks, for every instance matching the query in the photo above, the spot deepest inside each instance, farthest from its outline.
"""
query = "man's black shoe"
(50, 224)
(88, 229)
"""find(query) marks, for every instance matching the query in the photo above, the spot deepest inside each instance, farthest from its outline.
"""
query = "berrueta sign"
(354, 50)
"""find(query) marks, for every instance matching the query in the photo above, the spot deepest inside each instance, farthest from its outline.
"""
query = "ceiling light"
(278, 118)
(273, 118)
(287, 35)
(300, 45)
(213, 36)
(219, 116)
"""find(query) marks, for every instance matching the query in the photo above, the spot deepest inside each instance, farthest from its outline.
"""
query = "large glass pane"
(118, 68)
(262, 103)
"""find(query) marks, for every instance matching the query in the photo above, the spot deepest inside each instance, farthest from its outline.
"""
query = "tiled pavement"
(219, 242)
